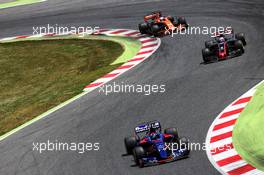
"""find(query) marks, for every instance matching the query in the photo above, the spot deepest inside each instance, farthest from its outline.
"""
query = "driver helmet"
(153, 133)
(153, 136)
(221, 39)
(162, 18)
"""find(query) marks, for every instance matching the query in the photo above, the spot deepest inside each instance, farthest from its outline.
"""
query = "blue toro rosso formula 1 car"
(154, 147)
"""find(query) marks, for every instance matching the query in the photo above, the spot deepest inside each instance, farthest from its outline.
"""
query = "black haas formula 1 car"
(155, 147)
(224, 46)
(157, 25)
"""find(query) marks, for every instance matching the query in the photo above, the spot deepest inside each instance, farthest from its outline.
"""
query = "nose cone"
(163, 154)
(162, 151)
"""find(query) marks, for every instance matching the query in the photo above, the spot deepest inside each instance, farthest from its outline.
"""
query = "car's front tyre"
(206, 55)
(180, 21)
(130, 143)
(138, 154)
(155, 29)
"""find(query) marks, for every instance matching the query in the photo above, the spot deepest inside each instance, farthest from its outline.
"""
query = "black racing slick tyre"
(241, 36)
(138, 154)
(184, 144)
(174, 132)
(206, 55)
(155, 29)
(130, 144)
(143, 28)
(239, 46)
(180, 21)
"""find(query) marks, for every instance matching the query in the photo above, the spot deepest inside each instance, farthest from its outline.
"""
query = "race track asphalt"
(195, 93)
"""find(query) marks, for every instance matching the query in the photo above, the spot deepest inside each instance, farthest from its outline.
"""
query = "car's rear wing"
(153, 15)
(146, 126)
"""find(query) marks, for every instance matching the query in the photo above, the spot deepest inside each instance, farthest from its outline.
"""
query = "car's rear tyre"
(138, 154)
(241, 36)
(155, 29)
(174, 132)
(206, 55)
(143, 28)
(184, 144)
(130, 144)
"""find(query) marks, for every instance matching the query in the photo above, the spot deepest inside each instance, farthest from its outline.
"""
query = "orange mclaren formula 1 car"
(158, 25)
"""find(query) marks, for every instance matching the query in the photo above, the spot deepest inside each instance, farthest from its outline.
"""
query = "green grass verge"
(14, 3)
(38, 75)
(133, 45)
(130, 45)
(248, 133)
